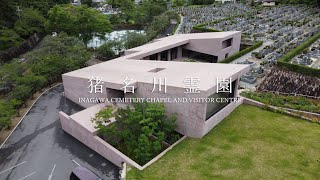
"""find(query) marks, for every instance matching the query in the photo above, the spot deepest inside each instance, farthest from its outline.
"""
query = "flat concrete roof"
(115, 71)
(161, 44)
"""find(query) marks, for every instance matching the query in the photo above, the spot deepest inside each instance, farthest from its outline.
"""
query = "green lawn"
(251, 143)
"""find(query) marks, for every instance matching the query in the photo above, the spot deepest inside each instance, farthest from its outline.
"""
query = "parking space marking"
(13, 167)
(50, 176)
(26, 176)
(76, 162)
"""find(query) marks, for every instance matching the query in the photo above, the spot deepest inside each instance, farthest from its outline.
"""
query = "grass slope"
(251, 143)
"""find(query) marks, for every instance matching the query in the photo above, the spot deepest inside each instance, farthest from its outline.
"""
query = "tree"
(139, 131)
(134, 39)
(79, 21)
(10, 72)
(42, 5)
(7, 112)
(22, 92)
(9, 38)
(31, 22)
(107, 50)
(36, 82)
(128, 10)
(58, 55)
(16, 104)
(179, 2)
(123, 4)
(7, 13)
(89, 3)
(158, 24)
(152, 8)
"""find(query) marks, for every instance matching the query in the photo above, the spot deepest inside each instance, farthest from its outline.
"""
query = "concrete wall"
(190, 116)
(222, 114)
(94, 142)
(214, 46)
(291, 112)
(8, 54)
(219, 116)
(75, 88)
(72, 127)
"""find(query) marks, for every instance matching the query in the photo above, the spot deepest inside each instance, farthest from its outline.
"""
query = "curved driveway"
(39, 149)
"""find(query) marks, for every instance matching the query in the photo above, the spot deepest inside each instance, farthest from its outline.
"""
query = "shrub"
(284, 61)
(58, 55)
(6, 113)
(22, 92)
(292, 102)
(158, 24)
(138, 131)
(36, 82)
(202, 28)
(134, 39)
(32, 21)
(241, 53)
(9, 38)
(106, 50)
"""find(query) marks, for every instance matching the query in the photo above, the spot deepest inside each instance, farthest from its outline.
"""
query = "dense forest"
(21, 18)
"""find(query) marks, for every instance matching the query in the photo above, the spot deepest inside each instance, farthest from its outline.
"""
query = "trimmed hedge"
(292, 102)
(178, 18)
(284, 61)
(202, 28)
(241, 53)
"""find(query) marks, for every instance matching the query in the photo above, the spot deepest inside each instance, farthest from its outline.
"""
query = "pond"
(118, 34)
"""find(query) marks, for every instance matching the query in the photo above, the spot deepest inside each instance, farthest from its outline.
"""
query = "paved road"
(39, 149)
(179, 26)
(169, 30)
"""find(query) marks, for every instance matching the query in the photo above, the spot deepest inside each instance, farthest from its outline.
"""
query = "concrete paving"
(248, 55)
(39, 149)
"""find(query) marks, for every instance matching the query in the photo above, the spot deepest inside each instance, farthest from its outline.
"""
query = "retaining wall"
(290, 112)
(26, 46)
(103, 148)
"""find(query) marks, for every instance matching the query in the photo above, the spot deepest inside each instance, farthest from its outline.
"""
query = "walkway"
(248, 55)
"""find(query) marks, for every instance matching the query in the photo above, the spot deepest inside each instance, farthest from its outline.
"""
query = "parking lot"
(39, 149)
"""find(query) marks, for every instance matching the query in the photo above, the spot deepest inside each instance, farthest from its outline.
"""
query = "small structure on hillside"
(269, 2)
(76, 2)
(223, 1)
